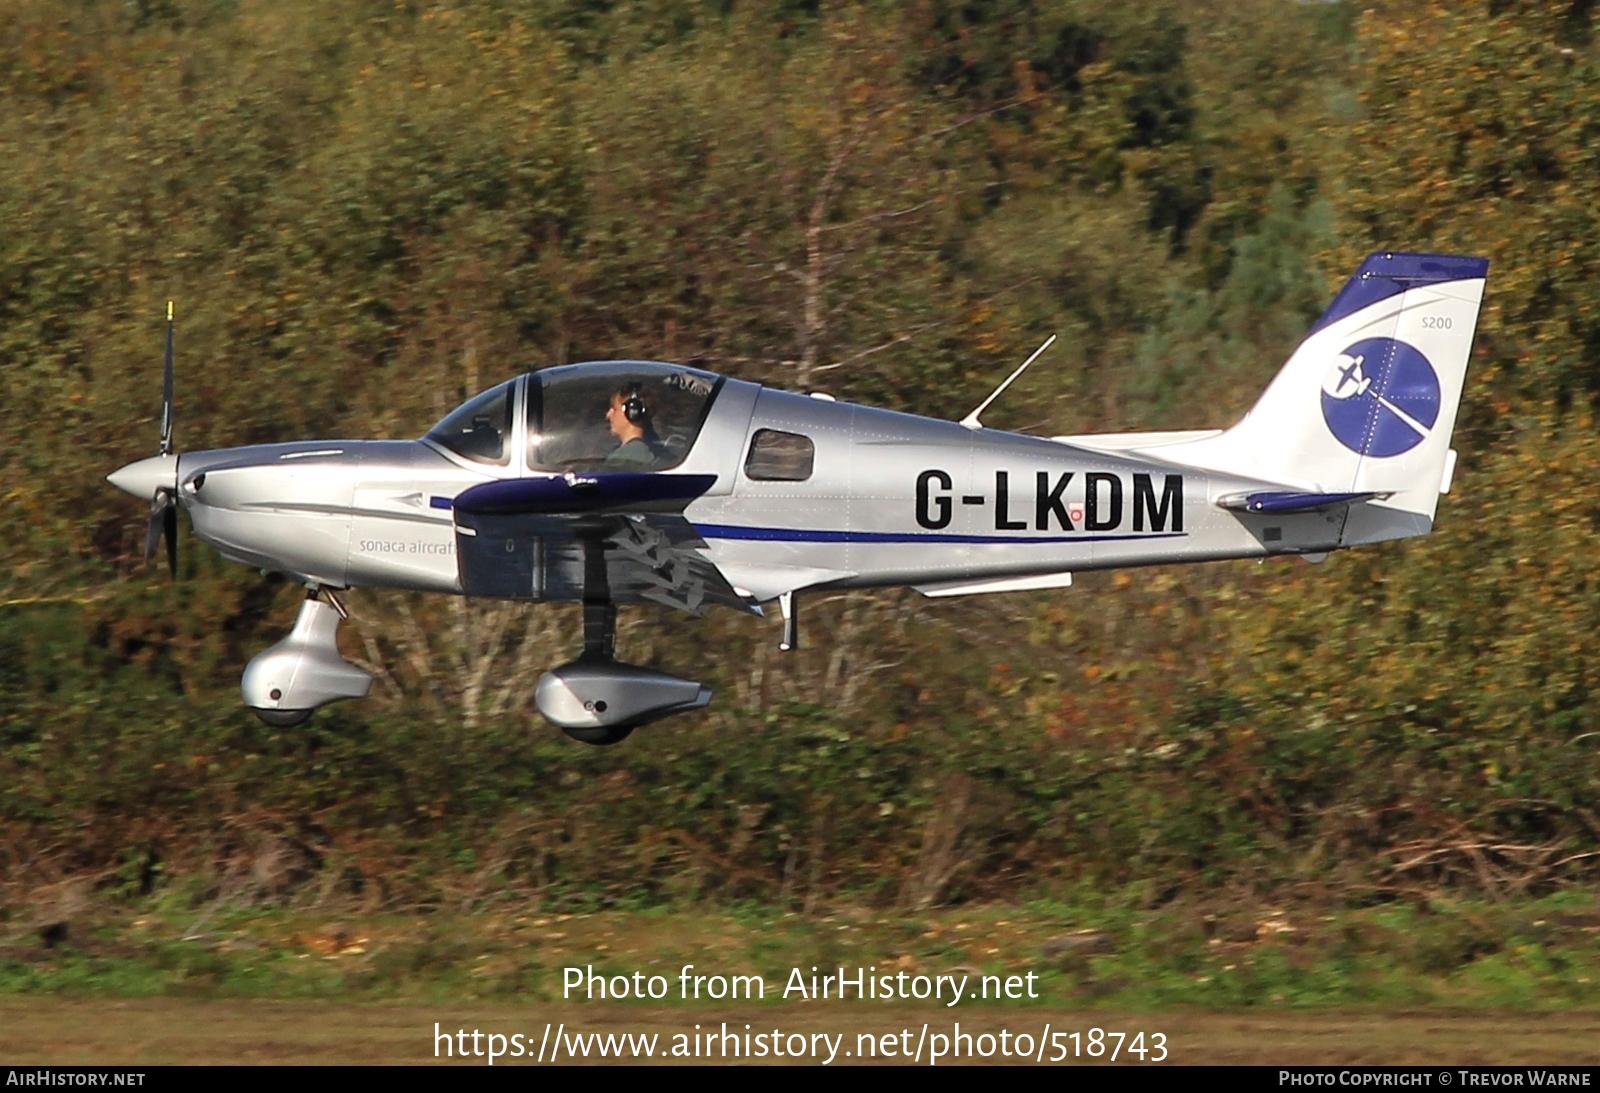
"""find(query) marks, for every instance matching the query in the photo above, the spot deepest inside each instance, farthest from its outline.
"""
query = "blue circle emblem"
(1380, 397)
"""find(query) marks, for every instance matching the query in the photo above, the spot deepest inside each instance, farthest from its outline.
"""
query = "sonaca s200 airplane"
(629, 482)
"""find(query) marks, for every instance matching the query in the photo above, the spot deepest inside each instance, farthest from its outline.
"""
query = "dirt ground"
(38, 1031)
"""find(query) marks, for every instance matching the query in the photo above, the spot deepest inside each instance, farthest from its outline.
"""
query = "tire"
(600, 737)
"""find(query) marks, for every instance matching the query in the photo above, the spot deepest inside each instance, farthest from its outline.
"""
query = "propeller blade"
(163, 525)
(152, 535)
(166, 390)
(169, 528)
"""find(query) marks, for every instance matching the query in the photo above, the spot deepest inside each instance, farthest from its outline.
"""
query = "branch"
(887, 214)
(970, 118)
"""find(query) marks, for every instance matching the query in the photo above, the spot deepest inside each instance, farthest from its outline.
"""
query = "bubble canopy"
(607, 415)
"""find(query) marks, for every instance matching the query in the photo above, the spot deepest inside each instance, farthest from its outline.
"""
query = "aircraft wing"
(620, 533)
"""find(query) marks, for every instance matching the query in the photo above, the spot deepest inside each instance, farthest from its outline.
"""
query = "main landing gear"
(598, 699)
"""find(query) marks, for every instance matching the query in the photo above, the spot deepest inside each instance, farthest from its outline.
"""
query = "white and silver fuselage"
(891, 498)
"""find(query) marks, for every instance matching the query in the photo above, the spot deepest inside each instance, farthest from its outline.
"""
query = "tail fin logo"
(1380, 397)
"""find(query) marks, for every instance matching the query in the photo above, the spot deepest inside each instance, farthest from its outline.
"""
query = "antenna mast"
(971, 420)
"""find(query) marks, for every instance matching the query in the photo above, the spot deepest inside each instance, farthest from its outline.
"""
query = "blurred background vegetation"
(370, 210)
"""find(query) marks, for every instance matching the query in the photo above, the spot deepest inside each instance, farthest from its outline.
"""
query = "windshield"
(616, 415)
(480, 428)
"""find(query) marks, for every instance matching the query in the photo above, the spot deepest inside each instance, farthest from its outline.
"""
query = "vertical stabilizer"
(1368, 401)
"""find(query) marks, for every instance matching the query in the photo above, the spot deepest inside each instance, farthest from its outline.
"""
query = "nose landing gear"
(284, 684)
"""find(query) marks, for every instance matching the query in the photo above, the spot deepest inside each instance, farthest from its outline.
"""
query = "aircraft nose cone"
(144, 477)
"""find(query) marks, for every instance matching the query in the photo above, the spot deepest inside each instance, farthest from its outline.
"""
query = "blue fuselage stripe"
(813, 535)
(809, 535)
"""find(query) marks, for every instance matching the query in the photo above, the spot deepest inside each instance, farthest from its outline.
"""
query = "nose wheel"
(282, 719)
(600, 738)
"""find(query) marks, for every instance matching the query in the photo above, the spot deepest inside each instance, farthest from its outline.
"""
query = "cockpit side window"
(480, 428)
(777, 456)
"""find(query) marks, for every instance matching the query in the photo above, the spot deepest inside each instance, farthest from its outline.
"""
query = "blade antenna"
(971, 420)
(166, 390)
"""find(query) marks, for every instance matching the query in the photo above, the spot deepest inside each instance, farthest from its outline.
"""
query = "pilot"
(630, 421)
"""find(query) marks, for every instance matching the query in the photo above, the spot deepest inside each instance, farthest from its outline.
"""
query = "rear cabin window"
(780, 457)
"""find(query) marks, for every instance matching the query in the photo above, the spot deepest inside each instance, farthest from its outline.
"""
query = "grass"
(1532, 954)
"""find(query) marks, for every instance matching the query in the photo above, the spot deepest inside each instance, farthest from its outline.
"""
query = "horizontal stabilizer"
(1289, 501)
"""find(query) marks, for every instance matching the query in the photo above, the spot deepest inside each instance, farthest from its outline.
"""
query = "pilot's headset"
(633, 405)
